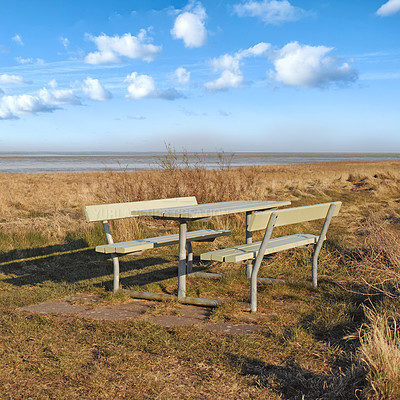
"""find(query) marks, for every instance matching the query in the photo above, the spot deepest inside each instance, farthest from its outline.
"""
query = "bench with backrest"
(106, 212)
(268, 220)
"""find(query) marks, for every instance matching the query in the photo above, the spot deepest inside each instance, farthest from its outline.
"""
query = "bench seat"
(150, 243)
(249, 251)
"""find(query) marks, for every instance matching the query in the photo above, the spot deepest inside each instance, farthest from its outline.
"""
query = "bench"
(106, 212)
(268, 220)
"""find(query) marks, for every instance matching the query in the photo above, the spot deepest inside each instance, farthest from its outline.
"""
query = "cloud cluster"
(144, 87)
(270, 11)
(46, 100)
(189, 26)
(389, 8)
(13, 106)
(49, 99)
(110, 49)
(309, 66)
(231, 75)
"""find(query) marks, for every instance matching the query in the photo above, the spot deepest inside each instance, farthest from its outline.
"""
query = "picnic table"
(183, 214)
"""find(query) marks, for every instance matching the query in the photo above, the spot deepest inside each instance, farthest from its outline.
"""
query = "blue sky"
(245, 75)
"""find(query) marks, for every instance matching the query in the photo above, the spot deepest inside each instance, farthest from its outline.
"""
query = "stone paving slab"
(84, 306)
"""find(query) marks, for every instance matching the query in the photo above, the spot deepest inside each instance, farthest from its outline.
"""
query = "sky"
(211, 75)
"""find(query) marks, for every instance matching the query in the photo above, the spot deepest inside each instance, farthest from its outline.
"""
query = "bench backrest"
(293, 215)
(105, 212)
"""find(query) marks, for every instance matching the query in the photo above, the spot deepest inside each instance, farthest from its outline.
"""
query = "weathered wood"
(211, 209)
(104, 212)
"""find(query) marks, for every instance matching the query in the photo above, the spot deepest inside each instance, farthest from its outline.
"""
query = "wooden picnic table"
(200, 211)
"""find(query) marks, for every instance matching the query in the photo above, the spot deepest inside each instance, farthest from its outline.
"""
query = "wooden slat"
(104, 212)
(125, 247)
(294, 215)
(149, 243)
(249, 251)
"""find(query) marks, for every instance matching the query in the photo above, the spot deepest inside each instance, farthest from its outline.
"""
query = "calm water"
(42, 163)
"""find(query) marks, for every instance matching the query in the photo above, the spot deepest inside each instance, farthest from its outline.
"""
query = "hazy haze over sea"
(74, 162)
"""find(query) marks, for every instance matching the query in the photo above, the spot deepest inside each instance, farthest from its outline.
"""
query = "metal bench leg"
(113, 256)
(318, 246)
(257, 262)
(116, 273)
(189, 264)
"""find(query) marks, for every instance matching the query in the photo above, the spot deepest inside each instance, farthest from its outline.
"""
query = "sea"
(13, 163)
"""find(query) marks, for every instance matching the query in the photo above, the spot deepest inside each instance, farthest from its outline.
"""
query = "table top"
(211, 209)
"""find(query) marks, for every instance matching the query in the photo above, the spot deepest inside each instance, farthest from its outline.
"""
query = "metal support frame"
(189, 265)
(182, 260)
(114, 257)
(249, 239)
(257, 262)
(318, 246)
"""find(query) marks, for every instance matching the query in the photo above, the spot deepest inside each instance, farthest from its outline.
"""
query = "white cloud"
(58, 96)
(13, 106)
(21, 60)
(24, 60)
(189, 26)
(309, 66)
(137, 117)
(46, 100)
(228, 79)
(13, 79)
(182, 75)
(389, 8)
(231, 76)
(64, 41)
(17, 39)
(270, 11)
(112, 48)
(144, 87)
(141, 86)
(95, 90)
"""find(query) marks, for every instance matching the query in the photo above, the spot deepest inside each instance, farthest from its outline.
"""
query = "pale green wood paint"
(246, 252)
(150, 243)
(211, 209)
(294, 215)
(105, 212)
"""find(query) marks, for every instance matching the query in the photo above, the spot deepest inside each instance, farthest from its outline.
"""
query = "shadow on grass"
(295, 383)
(84, 265)
(336, 316)
(19, 254)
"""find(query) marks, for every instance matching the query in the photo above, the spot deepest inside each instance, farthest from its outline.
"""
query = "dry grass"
(380, 353)
(300, 354)
(377, 261)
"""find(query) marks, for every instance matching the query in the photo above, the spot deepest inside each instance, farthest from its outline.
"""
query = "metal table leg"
(182, 260)
(249, 239)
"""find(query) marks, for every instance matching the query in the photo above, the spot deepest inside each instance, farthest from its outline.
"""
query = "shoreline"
(118, 167)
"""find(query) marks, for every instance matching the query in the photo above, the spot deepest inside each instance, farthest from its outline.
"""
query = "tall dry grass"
(377, 261)
(52, 204)
(380, 353)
